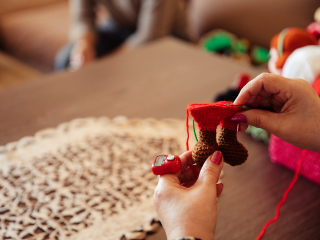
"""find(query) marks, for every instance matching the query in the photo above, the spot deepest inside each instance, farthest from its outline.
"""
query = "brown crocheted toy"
(208, 116)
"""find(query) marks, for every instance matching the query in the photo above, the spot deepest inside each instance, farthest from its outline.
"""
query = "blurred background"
(33, 31)
(154, 81)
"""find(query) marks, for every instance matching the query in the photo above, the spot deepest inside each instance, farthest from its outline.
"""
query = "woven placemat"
(86, 179)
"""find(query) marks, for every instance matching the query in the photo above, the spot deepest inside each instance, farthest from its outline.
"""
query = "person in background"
(132, 23)
(190, 211)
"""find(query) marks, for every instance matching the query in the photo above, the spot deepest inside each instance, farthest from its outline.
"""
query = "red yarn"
(226, 124)
(284, 197)
(187, 123)
(209, 115)
(243, 79)
(316, 85)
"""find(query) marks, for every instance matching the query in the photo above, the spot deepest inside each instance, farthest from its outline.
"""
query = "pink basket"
(288, 156)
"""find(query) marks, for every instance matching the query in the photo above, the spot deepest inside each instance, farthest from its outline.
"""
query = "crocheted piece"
(208, 116)
(234, 153)
(86, 179)
(205, 147)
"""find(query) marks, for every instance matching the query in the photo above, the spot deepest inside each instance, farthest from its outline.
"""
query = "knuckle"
(256, 121)
(248, 86)
(158, 193)
(161, 192)
(210, 172)
(157, 196)
(265, 77)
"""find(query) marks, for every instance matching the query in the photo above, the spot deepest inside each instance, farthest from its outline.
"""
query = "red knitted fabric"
(209, 115)
(316, 85)
(226, 124)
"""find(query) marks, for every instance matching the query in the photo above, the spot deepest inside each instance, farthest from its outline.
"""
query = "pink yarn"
(288, 156)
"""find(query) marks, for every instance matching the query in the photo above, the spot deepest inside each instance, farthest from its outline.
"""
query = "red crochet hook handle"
(163, 164)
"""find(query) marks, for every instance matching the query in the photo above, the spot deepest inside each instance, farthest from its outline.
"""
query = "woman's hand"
(190, 210)
(83, 52)
(296, 119)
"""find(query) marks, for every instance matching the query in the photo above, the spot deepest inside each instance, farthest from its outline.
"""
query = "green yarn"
(194, 131)
(258, 134)
(260, 55)
(218, 42)
(222, 41)
(240, 46)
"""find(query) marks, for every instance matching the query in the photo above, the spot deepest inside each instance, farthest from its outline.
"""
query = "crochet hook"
(245, 107)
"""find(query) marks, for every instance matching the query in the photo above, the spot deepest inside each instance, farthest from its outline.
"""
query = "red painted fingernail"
(216, 157)
(239, 119)
(220, 184)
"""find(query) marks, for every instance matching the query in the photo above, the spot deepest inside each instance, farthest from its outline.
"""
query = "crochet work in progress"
(208, 116)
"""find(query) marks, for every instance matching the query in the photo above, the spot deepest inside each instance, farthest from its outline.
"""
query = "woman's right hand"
(296, 119)
(83, 52)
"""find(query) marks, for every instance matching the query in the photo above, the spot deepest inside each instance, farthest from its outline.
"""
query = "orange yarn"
(294, 38)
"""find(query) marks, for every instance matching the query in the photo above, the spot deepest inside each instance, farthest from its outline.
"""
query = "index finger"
(266, 84)
(186, 160)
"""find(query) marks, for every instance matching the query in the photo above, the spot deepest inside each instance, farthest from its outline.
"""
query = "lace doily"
(86, 179)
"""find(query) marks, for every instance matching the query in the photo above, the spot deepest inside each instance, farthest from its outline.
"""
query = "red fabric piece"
(316, 85)
(244, 78)
(226, 124)
(209, 115)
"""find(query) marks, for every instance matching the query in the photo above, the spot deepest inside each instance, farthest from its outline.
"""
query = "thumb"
(210, 172)
(266, 120)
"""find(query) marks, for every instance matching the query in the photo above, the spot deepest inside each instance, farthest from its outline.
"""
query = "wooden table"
(159, 80)
(13, 72)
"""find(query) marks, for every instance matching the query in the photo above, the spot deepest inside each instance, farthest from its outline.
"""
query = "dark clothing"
(109, 37)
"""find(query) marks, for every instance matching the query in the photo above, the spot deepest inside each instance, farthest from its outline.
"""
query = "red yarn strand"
(187, 123)
(284, 197)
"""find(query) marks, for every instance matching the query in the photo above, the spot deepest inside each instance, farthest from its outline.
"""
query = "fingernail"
(220, 183)
(239, 118)
(241, 127)
(216, 157)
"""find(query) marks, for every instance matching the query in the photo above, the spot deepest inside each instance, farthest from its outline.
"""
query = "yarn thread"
(284, 197)
(194, 131)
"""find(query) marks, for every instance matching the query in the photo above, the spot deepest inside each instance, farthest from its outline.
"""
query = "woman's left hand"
(188, 208)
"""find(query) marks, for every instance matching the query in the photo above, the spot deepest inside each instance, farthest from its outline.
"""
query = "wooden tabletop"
(159, 80)
(14, 72)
